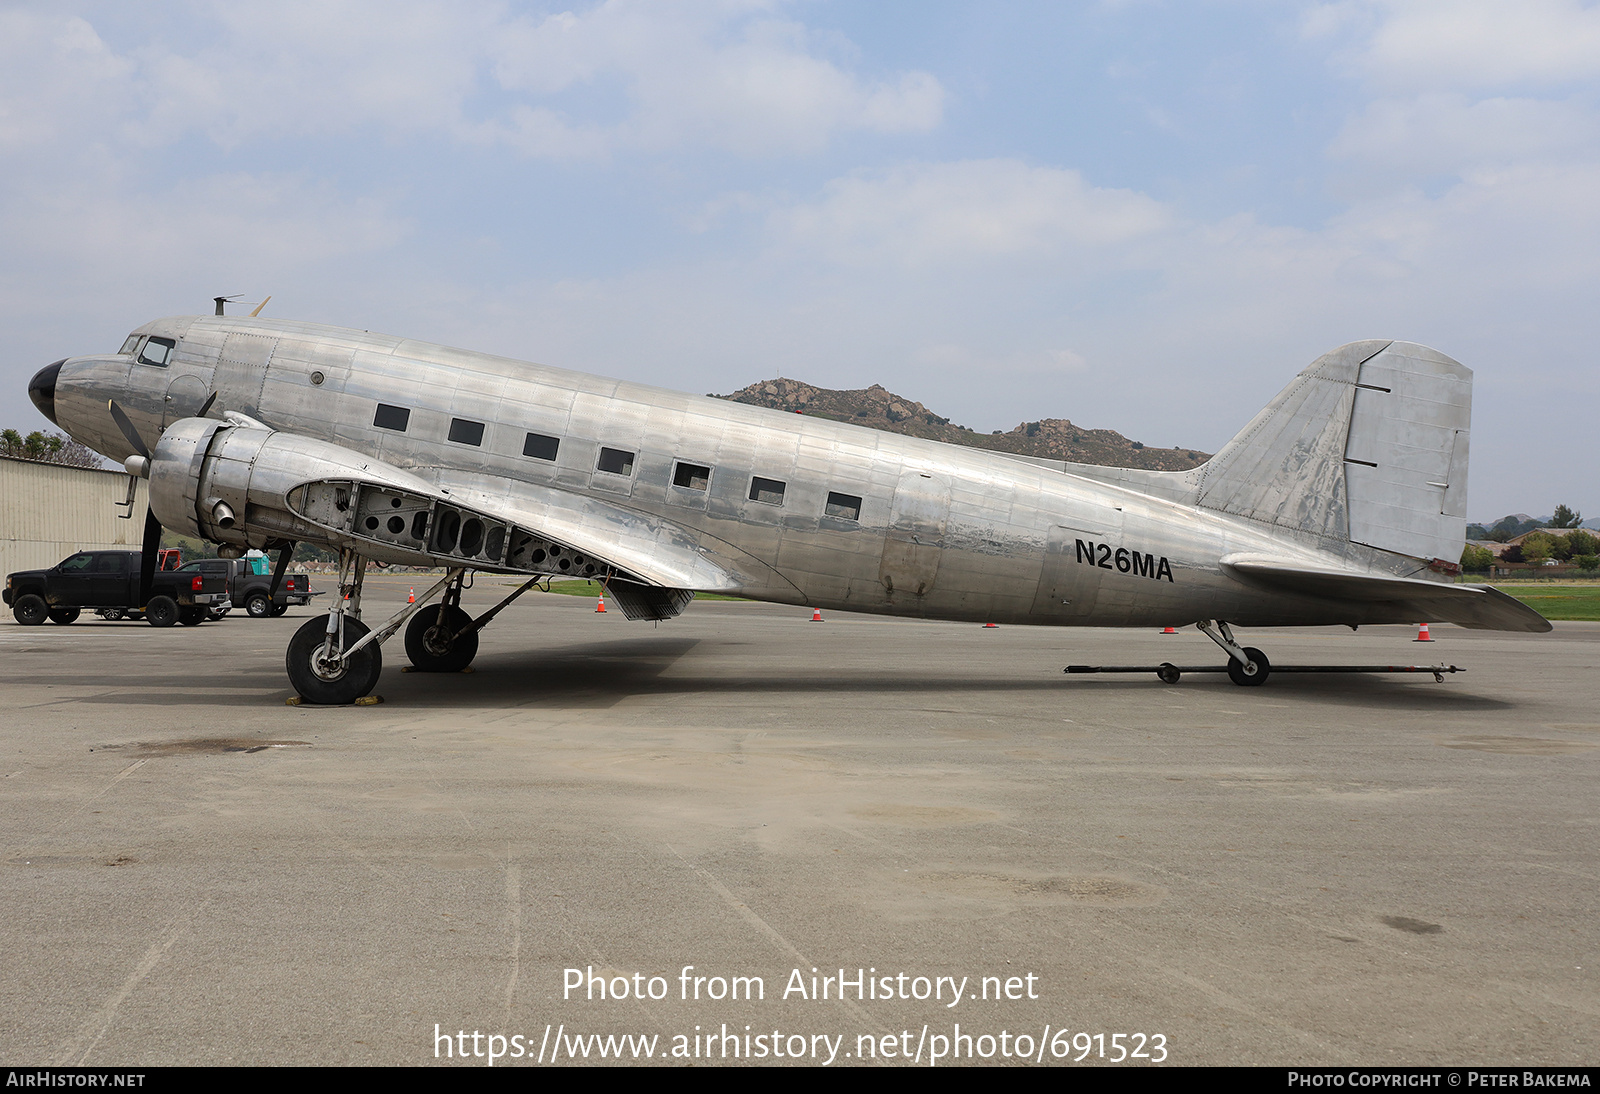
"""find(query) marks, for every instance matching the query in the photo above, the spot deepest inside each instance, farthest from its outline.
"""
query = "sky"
(1139, 215)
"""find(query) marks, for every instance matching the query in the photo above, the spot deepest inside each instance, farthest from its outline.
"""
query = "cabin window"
(691, 476)
(615, 461)
(392, 417)
(156, 351)
(465, 432)
(766, 490)
(845, 506)
(540, 447)
(111, 563)
(129, 346)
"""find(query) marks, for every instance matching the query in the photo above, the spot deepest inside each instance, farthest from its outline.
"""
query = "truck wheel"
(191, 617)
(64, 616)
(258, 606)
(433, 648)
(111, 615)
(331, 685)
(279, 609)
(162, 611)
(218, 613)
(30, 610)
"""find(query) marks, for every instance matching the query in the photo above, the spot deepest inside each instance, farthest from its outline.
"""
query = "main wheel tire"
(1168, 673)
(258, 606)
(338, 685)
(30, 610)
(1243, 677)
(162, 611)
(433, 648)
(64, 616)
(191, 617)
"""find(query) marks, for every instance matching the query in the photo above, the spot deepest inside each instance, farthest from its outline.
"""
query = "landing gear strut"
(443, 640)
(447, 640)
(333, 661)
(1247, 666)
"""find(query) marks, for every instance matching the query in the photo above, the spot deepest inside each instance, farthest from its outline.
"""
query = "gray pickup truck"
(108, 581)
(249, 585)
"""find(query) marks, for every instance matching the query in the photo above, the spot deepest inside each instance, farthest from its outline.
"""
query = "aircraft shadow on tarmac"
(602, 674)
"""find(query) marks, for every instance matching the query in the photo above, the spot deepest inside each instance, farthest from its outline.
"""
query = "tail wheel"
(433, 647)
(63, 616)
(162, 611)
(1253, 675)
(332, 684)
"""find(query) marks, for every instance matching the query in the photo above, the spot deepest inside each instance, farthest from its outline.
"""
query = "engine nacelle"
(249, 486)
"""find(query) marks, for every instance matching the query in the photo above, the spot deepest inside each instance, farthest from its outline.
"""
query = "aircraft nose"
(42, 389)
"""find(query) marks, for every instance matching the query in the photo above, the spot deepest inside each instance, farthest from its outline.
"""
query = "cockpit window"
(156, 351)
(130, 345)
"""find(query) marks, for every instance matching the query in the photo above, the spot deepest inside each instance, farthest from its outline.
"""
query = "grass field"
(592, 588)
(1551, 601)
(1559, 601)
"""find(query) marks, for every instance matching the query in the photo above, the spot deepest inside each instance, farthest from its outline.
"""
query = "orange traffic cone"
(411, 597)
(601, 609)
(816, 615)
(1170, 630)
(1422, 635)
(990, 626)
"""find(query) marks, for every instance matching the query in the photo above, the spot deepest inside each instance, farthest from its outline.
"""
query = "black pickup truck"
(249, 586)
(109, 580)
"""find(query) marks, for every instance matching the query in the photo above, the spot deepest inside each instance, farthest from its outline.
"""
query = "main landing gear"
(336, 659)
(1247, 666)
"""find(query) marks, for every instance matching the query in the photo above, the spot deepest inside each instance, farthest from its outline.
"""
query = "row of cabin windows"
(617, 461)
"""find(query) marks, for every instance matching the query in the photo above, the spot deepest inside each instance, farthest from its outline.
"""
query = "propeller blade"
(260, 306)
(147, 560)
(127, 429)
(201, 413)
(283, 564)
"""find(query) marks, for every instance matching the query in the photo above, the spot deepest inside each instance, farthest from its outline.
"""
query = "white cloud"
(975, 209)
(621, 76)
(733, 76)
(1441, 44)
(1447, 133)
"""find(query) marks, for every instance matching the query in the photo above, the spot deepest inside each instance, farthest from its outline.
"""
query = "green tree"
(48, 448)
(1538, 547)
(1476, 560)
(1587, 563)
(1566, 518)
(1581, 543)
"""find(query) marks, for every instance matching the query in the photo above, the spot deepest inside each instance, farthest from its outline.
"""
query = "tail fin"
(1367, 445)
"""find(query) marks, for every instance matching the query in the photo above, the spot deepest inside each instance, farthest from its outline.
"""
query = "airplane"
(1341, 503)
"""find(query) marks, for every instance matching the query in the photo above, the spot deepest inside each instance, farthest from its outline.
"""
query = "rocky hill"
(1052, 438)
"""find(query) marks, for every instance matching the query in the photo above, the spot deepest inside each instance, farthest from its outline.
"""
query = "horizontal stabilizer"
(1480, 607)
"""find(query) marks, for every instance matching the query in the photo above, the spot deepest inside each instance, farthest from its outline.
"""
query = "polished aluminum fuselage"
(944, 531)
